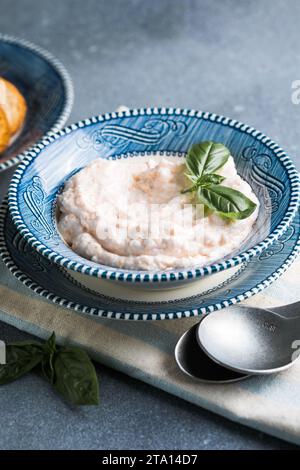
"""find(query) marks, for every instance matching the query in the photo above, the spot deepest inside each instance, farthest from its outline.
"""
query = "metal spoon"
(252, 340)
(195, 363)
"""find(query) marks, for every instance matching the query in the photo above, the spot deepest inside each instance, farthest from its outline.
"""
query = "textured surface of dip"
(130, 214)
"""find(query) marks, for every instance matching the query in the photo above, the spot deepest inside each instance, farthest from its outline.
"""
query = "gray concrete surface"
(236, 58)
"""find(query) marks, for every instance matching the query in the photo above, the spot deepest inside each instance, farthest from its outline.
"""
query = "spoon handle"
(290, 310)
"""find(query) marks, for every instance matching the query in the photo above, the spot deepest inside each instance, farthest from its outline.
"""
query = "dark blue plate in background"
(46, 87)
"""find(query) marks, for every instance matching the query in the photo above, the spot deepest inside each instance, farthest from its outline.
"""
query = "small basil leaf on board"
(213, 178)
(75, 377)
(20, 358)
(206, 157)
(226, 201)
(47, 363)
(50, 344)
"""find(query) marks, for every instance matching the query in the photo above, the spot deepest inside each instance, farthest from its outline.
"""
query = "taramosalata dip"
(130, 214)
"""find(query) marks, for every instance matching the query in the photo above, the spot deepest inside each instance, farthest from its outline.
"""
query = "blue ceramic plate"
(46, 87)
(51, 281)
(39, 178)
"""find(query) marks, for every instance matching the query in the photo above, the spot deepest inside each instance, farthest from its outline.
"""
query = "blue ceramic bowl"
(42, 174)
(46, 87)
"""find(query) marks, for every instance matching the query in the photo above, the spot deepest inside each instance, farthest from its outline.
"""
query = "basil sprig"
(20, 359)
(202, 162)
(68, 369)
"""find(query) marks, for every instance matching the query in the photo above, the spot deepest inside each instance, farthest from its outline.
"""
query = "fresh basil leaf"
(192, 189)
(50, 344)
(68, 369)
(207, 180)
(191, 177)
(204, 181)
(21, 357)
(47, 363)
(227, 202)
(75, 377)
(206, 157)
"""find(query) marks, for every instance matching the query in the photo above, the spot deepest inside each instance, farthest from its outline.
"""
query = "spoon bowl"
(192, 360)
(250, 340)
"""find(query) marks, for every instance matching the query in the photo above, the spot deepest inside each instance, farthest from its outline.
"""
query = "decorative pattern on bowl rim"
(172, 275)
(67, 82)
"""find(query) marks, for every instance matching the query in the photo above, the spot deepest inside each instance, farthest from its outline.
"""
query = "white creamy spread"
(137, 189)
